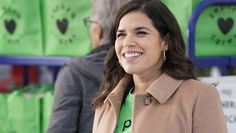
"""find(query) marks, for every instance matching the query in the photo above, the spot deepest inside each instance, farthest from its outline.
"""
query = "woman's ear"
(165, 42)
(166, 46)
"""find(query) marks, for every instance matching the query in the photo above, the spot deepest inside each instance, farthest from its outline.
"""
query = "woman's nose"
(129, 41)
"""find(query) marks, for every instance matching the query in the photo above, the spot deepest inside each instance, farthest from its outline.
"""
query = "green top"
(125, 115)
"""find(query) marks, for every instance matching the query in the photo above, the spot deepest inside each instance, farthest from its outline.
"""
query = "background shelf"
(22, 60)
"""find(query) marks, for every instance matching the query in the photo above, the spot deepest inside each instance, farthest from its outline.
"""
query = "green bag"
(20, 27)
(215, 32)
(3, 112)
(182, 10)
(23, 113)
(65, 33)
(47, 110)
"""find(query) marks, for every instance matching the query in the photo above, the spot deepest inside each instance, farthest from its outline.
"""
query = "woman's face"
(138, 44)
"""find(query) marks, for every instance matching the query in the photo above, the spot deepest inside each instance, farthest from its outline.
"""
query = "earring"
(164, 55)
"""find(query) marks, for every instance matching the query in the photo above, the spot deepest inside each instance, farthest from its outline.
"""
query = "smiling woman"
(143, 58)
(149, 83)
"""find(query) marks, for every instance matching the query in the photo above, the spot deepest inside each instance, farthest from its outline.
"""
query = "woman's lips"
(132, 56)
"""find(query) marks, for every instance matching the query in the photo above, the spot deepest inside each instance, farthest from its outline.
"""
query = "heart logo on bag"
(225, 25)
(221, 25)
(10, 25)
(62, 25)
(63, 17)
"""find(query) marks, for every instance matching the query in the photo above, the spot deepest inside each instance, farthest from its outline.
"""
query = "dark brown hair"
(176, 65)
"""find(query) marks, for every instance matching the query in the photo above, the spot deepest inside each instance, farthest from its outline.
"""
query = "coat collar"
(116, 96)
(119, 89)
(161, 89)
(164, 87)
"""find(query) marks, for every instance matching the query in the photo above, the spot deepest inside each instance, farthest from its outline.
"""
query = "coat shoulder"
(194, 89)
(196, 85)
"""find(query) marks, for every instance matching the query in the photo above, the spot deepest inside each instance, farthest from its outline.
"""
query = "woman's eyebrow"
(142, 28)
(120, 31)
(135, 29)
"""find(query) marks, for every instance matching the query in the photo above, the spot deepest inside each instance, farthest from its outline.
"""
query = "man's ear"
(98, 36)
(99, 31)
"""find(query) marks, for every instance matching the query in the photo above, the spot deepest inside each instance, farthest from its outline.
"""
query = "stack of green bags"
(44, 27)
(26, 110)
(215, 28)
(3, 113)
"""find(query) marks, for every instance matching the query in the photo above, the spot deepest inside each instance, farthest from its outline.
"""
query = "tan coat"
(175, 106)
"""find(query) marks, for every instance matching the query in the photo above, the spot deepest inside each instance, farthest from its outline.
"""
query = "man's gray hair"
(104, 11)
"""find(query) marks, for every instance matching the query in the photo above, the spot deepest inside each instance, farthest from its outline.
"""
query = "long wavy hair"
(176, 65)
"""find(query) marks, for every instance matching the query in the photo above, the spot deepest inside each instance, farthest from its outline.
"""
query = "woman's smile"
(132, 56)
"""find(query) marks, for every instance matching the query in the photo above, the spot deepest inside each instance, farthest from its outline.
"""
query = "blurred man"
(79, 80)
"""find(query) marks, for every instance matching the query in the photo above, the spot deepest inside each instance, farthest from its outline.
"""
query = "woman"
(149, 84)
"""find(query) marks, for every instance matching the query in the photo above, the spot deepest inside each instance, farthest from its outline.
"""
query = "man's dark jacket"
(76, 85)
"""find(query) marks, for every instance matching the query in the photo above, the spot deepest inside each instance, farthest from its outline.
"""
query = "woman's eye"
(141, 33)
(120, 35)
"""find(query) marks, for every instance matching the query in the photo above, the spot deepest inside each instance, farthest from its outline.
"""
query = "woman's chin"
(130, 71)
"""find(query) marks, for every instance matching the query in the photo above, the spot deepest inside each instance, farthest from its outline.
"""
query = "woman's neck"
(142, 82)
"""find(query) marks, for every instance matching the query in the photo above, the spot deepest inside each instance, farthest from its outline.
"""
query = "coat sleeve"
(95, 121)
(67, 102)
(208, 115)
(97, 118)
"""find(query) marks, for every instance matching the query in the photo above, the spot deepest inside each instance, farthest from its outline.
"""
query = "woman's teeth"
(129, 55)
